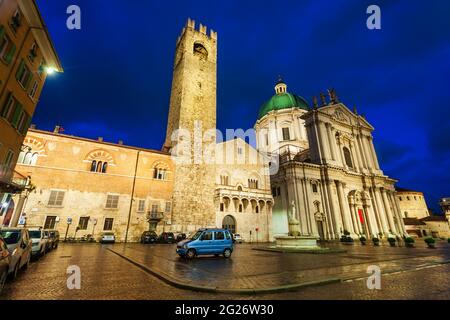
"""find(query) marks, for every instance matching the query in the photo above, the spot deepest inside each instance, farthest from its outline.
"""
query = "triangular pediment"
(340, 113)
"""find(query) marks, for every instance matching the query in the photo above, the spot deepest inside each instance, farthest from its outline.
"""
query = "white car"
(107, 237)
(237, 238)
(39, 240)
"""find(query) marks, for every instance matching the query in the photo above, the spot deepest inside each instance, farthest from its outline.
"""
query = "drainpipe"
(132, 196)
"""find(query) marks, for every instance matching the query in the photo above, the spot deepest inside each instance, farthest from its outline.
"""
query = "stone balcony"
(11, 181)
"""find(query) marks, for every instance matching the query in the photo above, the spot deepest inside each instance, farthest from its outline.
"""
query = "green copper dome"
(282, 100)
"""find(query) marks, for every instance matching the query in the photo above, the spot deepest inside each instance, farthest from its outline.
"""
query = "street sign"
(69, 220)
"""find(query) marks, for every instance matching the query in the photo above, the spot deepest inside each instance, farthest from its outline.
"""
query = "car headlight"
(185, 246)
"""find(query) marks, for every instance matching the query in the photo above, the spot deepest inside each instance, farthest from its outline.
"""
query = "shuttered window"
(112, 201)
(23, 74)
(56, 198)
(7, 47)
(141, 206)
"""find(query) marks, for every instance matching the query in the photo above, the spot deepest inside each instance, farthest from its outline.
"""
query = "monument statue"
(294, 224)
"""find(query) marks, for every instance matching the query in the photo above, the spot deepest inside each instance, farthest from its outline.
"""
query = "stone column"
(367, 223)
(397, 206)
(366, 162)
(367, 153)
(331, 142)
(374, 153)
(373, 223)
(375, 210)
(312, 222)
(344, 212)
(17, 211)
(388, 211)
(323, 142)
(358, 155)
(337, 221)
(358, 222)
(381, 211)
(399, 224)
(298, 201)
(327, 211)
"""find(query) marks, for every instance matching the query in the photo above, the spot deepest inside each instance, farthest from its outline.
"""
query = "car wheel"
(28, 262)
(227, 253)
(16, 270)
(3, 281)
(190, 254)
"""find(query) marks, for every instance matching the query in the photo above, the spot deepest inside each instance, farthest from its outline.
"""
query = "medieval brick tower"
(191, 128)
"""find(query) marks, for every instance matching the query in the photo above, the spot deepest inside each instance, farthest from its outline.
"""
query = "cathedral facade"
(327, 169)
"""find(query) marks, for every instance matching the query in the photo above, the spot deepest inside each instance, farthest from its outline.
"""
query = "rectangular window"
(141, 205)
(267, 139)
(23, 74)
(314, 188)
(108, 224)
(9, 107)
(56, 198)
(222, 207)
(83, 223)
(207, 235)
(112, 201)
(50, 222)
(154, 208)
(33, 89)
(286, 135)
(239, 151)
(7, 47)
(168, 206)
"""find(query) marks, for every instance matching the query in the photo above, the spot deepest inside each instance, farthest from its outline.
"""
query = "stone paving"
(252, 269)
(108, 276)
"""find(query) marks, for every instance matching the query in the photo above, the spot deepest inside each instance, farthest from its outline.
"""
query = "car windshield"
(36, 234)
(197, 235)
(10, 237)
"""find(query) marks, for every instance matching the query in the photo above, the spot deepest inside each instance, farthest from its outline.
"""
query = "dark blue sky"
(118, 70)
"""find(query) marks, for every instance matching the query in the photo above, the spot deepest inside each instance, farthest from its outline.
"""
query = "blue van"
(207, 241)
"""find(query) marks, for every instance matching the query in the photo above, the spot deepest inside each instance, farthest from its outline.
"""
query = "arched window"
(34, 159)
(200, 51)
(28, 157)
(348, 157)
(224, 180)
(99, 166)
(105, 166)
(94, 166)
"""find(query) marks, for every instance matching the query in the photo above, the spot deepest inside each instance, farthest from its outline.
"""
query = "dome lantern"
(280, 87)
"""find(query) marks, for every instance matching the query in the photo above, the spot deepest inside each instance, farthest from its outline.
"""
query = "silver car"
(18, 243)
(39, 241)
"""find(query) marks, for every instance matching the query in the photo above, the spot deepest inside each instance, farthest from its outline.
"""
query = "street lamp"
(50, 70)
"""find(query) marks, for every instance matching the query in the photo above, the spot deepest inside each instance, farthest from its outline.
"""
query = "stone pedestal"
(300, 242)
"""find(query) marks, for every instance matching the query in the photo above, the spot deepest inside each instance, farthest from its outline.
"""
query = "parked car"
(18, 243)
(237, 238)
(53, 238)
(107, 237)
(205, 242)
(181, 237)
(166, 237)
(5, 260)
(149, 237)
(39, 241)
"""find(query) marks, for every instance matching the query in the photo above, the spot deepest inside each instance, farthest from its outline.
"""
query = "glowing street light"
(50, 70)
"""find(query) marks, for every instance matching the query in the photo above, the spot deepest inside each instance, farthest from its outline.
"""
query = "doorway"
(229, 223)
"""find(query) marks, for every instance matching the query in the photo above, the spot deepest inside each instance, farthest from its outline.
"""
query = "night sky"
(118, 71)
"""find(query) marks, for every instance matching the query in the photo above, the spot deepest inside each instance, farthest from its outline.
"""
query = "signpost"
(69, 222)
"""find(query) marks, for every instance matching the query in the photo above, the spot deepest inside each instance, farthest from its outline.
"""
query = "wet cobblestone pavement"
(105, 275)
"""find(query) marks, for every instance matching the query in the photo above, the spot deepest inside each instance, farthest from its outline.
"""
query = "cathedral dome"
(282, 100)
